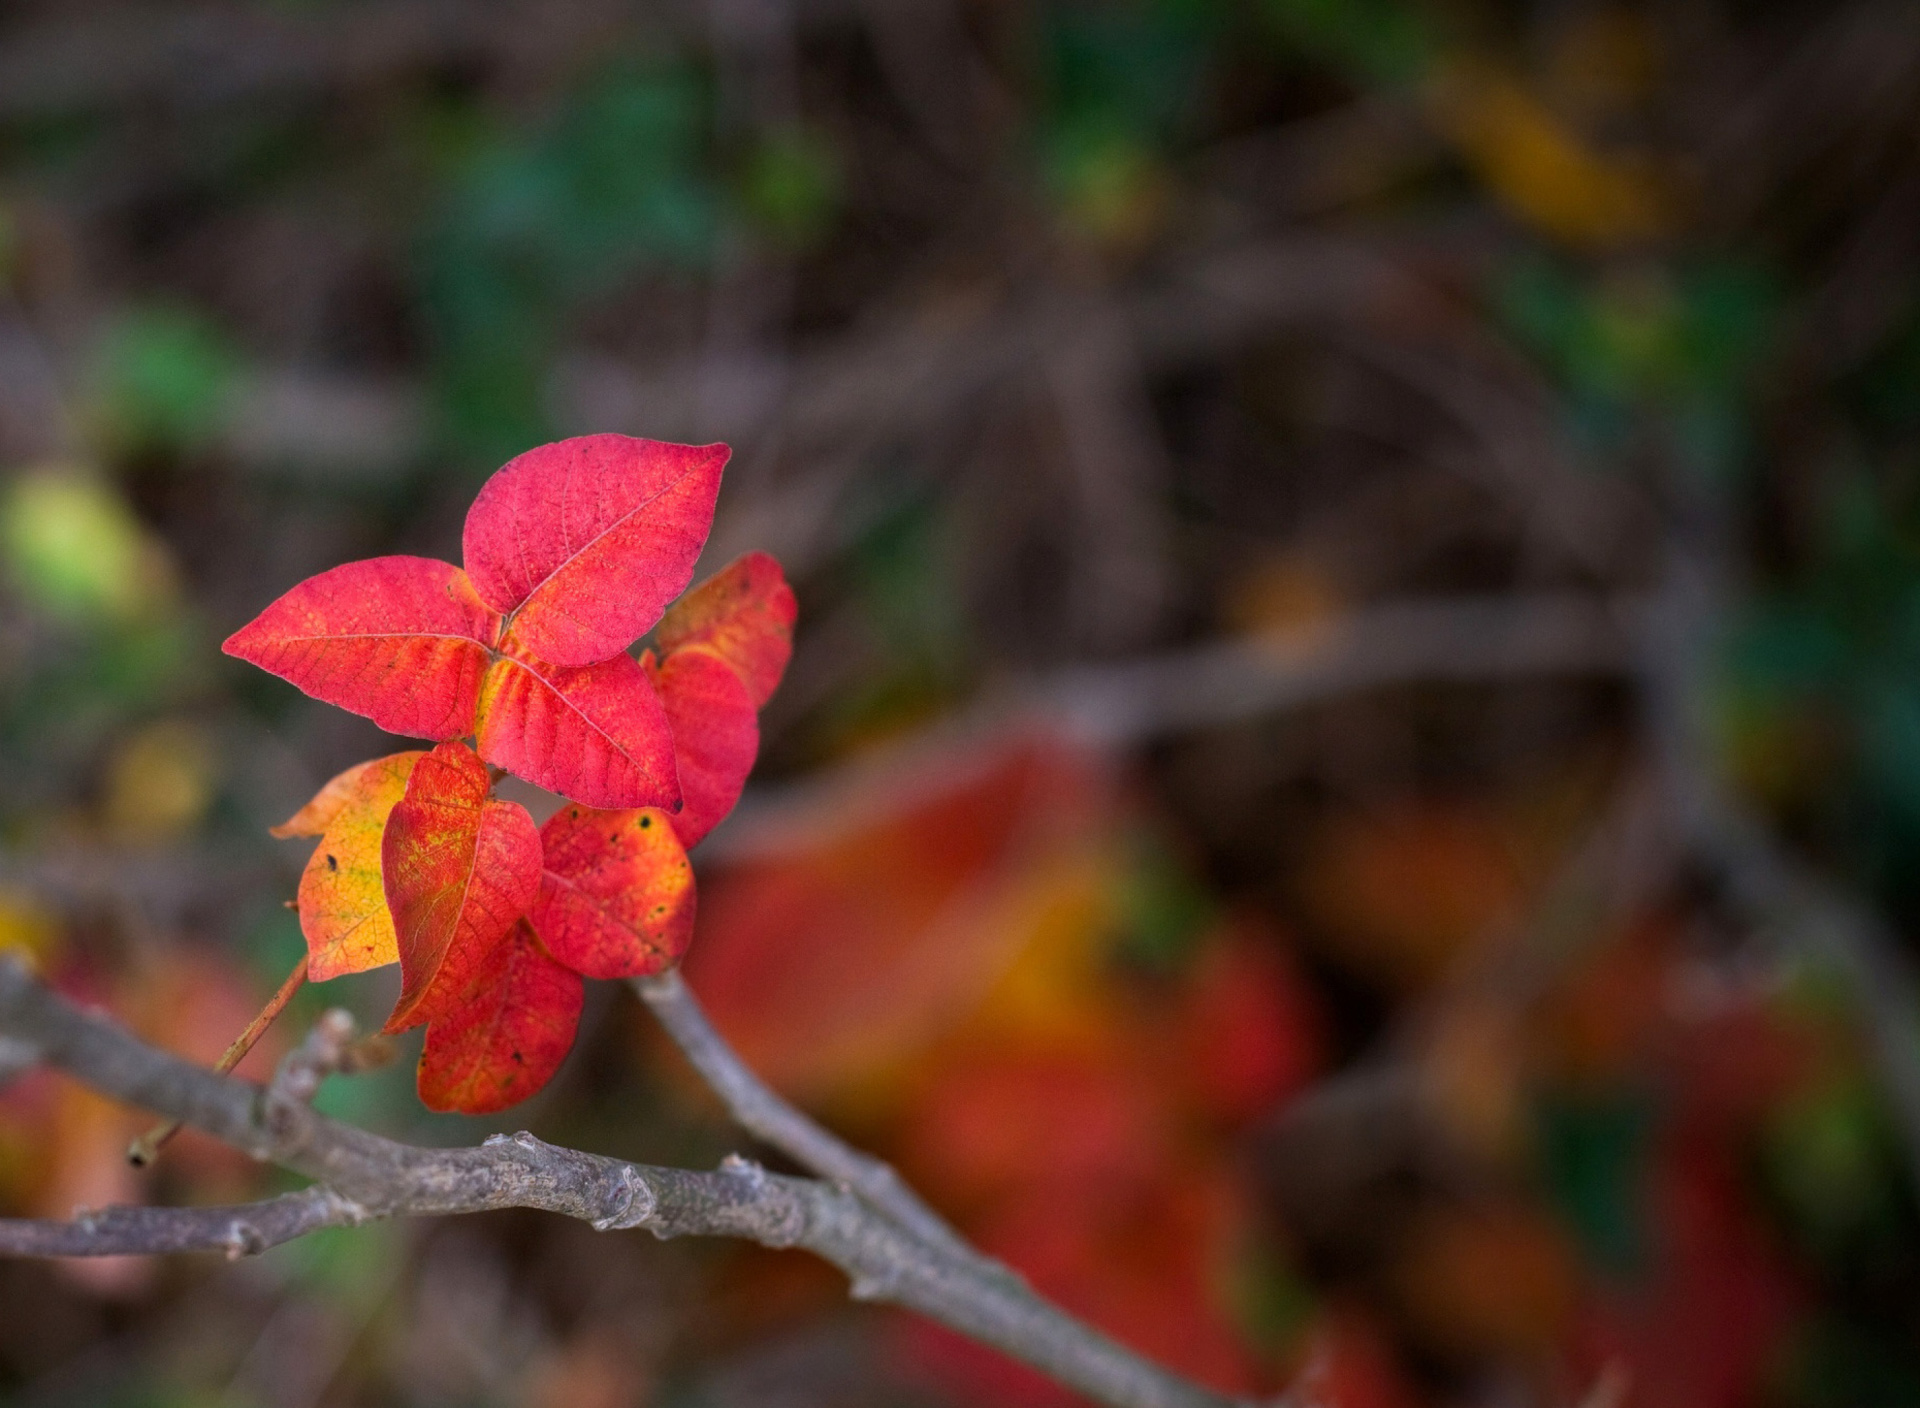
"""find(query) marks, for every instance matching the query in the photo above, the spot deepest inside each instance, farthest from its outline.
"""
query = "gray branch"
(765, 1115)
(362, 1176)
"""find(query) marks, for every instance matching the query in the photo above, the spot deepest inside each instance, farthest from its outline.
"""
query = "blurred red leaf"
(868, 922)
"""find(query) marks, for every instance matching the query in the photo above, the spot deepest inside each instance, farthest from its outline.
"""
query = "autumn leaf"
(502, 1029)
(616, 892)
(343, 905)
(584, 542)
(402, 640)
(596, 734)
(716, 735)
(459, 868)
(319, 812)
(744, 613)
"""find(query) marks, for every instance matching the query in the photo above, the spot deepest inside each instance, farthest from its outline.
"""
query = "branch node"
(871, 1288)
(745, 1168)
(313, 1060)
(243, 1239)
(636, 1203)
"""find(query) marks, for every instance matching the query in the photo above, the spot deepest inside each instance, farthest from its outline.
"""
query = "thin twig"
(371, 1177)
(144, 1150)
(759, 1110)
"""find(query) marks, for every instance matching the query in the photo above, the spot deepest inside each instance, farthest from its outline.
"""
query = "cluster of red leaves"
(573, 551)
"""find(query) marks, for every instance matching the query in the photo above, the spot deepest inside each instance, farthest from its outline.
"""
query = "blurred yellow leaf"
(26, 926)
(1288, 595)
(74, 549)
(159, 783)
(1542, 170)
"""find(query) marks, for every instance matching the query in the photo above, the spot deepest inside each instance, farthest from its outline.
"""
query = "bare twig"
(147, 1147)
(239, 1231)
(363, 1176)
(765, 1115)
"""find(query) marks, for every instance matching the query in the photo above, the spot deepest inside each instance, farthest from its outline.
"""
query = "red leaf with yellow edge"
(500, 1032)
(586, 540)
(744, 613)
(401, 640)
(343, 905)
(459, 868)
(596, 735)
(716, 735)
(616, 896)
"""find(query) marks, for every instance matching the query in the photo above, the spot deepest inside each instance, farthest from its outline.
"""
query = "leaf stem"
(144, 1150)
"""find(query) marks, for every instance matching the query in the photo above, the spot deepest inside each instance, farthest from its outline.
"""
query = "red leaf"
(745, 614)
(502, 1029)
(402, 640)
(616, 897)
(597, 735)
(459, 867)
(716, 735)
(585, 541)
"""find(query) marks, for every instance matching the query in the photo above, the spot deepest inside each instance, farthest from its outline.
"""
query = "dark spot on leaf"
(332, 864)
(518, 1057)
(645, 822)
(574, 815)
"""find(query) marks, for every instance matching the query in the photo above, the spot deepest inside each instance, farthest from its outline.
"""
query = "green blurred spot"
(164, 379)
(1107, 183)
(1164, 908)
(790, 187)
(1595, 1152)
(1378, 41)
(74, 550)
(539, 226)
(1825, 1153)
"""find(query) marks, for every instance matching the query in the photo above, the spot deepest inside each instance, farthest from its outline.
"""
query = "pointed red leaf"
(745, 614)
(343, 905)
(586, 541)
(596, 735)
(502, 1030)
(716, 735)
(459, 868)
(616, 896)
(402, 640)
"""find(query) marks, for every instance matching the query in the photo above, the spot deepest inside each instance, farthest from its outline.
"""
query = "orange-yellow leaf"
(616, 895)
(744, 613)
(460, 867)
(313, 818)
(501, 1028)
(343, 907)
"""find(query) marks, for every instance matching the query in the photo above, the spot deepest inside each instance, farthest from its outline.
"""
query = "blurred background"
(1349, 792)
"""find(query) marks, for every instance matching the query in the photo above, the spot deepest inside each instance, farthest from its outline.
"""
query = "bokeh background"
(1349, 795)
